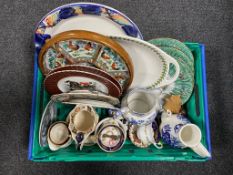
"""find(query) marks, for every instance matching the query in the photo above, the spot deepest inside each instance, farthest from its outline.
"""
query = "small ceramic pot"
(140, 107)
(82, 122)
(58, 136)
(177, 131)
(110, 134)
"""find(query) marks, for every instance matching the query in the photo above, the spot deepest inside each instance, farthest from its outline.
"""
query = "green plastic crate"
(129, 152)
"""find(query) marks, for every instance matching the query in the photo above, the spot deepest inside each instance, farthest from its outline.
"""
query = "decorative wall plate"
(68, 80)
(74, 47)
(84, 16)
(184, 84)
(84, 94)
(90, 69)
(151, 64)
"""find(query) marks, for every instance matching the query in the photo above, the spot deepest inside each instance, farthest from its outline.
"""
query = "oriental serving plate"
(75, 47)
(150, 62)
(68, 80)
(84, 16)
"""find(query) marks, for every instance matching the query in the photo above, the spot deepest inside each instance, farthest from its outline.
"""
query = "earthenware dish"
(85, 16)
(74, 47)
(68, 80)
(151, 63)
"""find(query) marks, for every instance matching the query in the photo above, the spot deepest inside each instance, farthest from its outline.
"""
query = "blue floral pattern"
(170, 128)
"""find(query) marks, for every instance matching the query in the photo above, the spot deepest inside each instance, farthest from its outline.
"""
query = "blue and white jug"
(177, 131)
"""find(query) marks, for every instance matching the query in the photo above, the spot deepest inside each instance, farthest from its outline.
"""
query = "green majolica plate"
(183, 86)
(169, 42)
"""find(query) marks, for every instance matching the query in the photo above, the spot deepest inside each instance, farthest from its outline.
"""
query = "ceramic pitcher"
(177, 131)
(140, 106)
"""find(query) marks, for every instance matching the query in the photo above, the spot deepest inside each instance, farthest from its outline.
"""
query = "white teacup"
(146, 133)
(58, 136)
(82, 122)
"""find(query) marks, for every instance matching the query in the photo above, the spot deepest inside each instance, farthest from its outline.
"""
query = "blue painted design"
(91, 9)
(66, 12)
(40, 40)
(165, 134)
(182, 118)
(130, 30)
(168, 138)
(177, 127)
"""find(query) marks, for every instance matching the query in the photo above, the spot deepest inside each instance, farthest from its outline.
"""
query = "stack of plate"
(109, 60)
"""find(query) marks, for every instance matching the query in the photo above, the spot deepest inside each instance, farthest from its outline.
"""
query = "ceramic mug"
(177, 131)
(82, 122)
(140, 107)
(148, 135)
(110, 134)
(58, 136)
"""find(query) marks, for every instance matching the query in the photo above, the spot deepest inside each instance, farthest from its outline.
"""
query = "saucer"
(150, 62)
(73, 96)
(68, 80)
(48, 117)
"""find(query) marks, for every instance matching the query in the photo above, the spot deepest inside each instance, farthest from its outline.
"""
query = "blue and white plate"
(85, 16)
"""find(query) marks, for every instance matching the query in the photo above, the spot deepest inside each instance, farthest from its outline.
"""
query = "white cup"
(147, 136)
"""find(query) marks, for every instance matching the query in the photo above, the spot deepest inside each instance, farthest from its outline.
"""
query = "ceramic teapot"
(177, 131)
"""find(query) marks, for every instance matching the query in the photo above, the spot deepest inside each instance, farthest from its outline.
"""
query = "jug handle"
(201, 150)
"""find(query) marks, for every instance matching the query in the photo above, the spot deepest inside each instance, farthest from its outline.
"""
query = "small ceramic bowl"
(58, 136)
